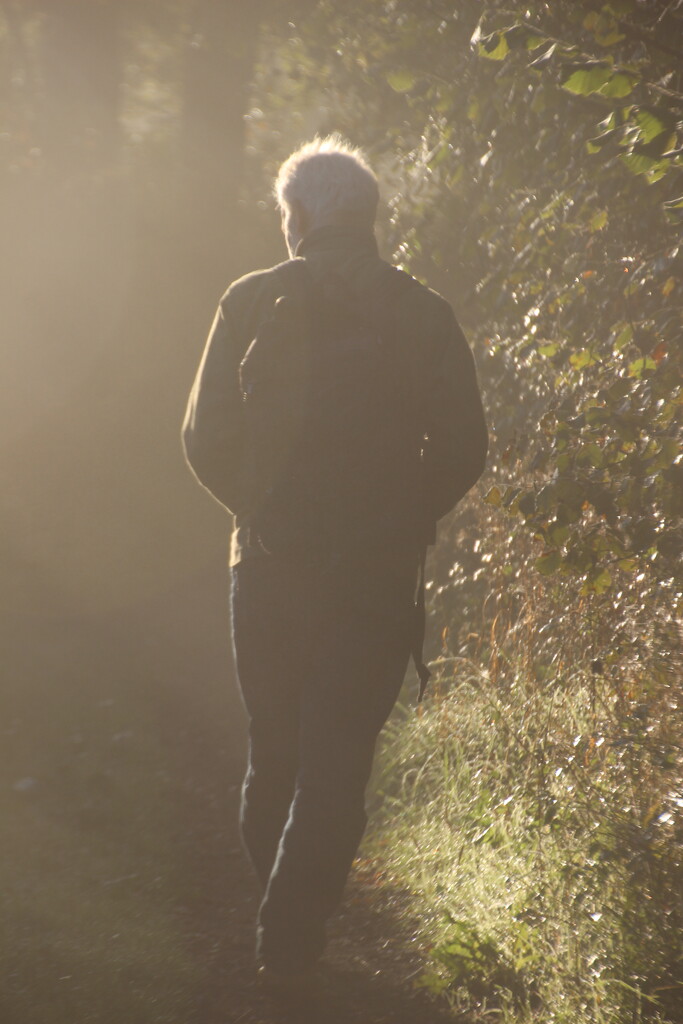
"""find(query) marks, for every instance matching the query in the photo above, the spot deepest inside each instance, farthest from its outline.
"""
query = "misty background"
(123, 220)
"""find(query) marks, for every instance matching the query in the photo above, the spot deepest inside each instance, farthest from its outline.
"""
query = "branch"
(583, 55)
(643, 36)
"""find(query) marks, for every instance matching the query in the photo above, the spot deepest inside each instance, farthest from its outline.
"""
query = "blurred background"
(123, 219)
(122, 163)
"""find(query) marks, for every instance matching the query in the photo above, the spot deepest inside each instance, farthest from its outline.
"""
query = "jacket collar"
(333, 236)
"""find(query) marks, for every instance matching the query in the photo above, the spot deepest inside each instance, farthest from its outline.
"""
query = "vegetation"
(535, 807)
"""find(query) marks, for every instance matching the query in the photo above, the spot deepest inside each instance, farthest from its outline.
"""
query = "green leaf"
(597, 583)
(510, 497)
(494, 497)
(548, 350)
(618, 86)
(639, 366)
(587, 81)
(650, 125)
(473, 110)
(558, 533)
(623, 338)
(583, 358)
(598, 221)
(604, 28)
(594, 454)
(670, 449)
(637, 163)
(493, 47)
(401, 81)
(610, 38)
(609, 123)
(548, 563)
(440, 155)
(657, 172)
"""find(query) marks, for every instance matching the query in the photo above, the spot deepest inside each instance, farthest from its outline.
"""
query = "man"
(323, 631)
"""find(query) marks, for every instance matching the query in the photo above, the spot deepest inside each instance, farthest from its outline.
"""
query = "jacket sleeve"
(212, 433)
(455, 454)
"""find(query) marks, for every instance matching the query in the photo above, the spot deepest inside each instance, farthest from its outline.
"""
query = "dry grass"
(534, 807)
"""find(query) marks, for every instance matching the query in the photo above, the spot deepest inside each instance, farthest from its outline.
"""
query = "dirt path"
(126, 898)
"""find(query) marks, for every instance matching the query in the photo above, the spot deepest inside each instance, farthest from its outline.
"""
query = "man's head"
(327, 181)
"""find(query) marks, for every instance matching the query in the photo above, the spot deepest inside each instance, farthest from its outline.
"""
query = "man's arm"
(213, 427)
(455, 456)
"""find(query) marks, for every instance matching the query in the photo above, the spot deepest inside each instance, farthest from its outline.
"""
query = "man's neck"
(337, 236)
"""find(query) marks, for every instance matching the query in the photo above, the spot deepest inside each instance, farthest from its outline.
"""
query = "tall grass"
(533, 806)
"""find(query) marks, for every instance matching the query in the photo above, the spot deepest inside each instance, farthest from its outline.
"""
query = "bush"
(530, 154)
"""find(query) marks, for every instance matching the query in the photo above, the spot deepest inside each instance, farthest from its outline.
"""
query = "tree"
(537, 149)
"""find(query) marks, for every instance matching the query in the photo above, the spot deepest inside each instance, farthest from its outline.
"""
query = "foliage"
(537, 799)
(531, 156)
(539, 187)
(536, 813)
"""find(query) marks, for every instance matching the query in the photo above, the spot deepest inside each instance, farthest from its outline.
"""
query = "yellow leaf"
(494, 497)
(598, 221)
(668, 286)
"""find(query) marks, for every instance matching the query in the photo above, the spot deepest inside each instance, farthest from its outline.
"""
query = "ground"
(127, 896)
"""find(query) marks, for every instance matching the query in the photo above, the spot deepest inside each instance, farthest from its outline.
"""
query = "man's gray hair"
(331, 179)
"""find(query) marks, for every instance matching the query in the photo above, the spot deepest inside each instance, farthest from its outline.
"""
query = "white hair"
(331, 179)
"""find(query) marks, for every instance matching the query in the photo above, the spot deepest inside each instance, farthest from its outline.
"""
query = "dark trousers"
(320, 660)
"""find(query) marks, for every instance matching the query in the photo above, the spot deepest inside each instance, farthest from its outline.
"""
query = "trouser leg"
(267, 792)
(319, 676)
(344, 707)
(269, 671)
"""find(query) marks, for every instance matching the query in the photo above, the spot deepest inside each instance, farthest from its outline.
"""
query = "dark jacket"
(213, 429)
